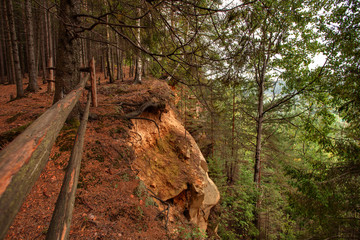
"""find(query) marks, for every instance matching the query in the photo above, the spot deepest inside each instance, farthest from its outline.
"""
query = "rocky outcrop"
(169, 161)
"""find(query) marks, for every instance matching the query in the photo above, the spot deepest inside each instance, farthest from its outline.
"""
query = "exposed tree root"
(143, 107)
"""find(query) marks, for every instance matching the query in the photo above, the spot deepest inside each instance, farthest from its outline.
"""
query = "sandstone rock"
(173, 167)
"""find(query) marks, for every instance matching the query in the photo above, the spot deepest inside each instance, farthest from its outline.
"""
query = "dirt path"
(111, 203)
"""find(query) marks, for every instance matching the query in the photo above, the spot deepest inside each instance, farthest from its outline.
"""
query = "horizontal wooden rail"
(61, 219)
(22, 161)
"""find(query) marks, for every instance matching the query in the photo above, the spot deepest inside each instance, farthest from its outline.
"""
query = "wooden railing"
(22, 161)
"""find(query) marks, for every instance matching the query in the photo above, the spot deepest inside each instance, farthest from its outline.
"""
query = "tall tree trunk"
(257, 167)
(84, 53)
(2, 69)
(122, 74)
(260, 79)
(9, 47)
(130, 67)
(138, 70)
(54, 32)
(46, 31)
(117, 58)
(260, 118)
(120, 61)
(68, 53)
(33, 86)
(23, 55)
(108, 65)
(37, 40)
(18, 79)
(88, 47)
(103, 65)
(113, 57)
(113, 54)
(23, 48)
(144, 67)
(212, 138)
(230, 171)
(108, 53)
(43, 44)
(2, 48)
(49, 36)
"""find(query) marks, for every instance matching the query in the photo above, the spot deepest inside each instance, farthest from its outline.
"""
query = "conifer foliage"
(281, 136)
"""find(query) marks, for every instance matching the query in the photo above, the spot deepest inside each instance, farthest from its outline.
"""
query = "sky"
(318, 61)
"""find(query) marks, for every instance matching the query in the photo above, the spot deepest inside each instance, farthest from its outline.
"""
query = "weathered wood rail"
(22, 161)
(61, 219)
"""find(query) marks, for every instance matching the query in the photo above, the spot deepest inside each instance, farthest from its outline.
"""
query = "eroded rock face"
(171, 165)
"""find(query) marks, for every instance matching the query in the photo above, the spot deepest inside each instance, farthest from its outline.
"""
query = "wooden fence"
(22, 161)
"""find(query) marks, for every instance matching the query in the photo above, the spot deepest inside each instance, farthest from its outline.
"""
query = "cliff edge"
(167, 158)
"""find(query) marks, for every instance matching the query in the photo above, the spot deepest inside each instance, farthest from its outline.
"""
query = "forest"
(269, 90)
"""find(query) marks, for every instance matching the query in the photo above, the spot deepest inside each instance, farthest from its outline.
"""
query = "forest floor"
(111, 202)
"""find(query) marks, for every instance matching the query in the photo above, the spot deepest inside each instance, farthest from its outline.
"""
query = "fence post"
(93, 82)
(51, 80)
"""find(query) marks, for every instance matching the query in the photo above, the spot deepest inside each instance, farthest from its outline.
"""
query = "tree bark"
(46, 31)
(43, 48)
(88, 47)
(108, 61)
(2, 69)
(113, 54)
(144, 67)
(33, 86)
(131, 69)
(23, 44)
(122, 74)
(103, 65)
(231, 170)
(260, 71)
(118, 63)
(108, 54)
(138, 70)
(2, 49)
(257, 166)
(83, 52)
(11, 66)
(37, 40)
(49, 37)
(260, 118)
(3, 46)
(51, 79)
(18, 79)
(93, 82)
(68, 53)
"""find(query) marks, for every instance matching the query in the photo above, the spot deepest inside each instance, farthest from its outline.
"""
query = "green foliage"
(327, 177)
(237, 203)
(140, 190)
(149, 201)
(193, 233)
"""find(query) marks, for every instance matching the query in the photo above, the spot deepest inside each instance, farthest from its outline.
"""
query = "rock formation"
(169, 161)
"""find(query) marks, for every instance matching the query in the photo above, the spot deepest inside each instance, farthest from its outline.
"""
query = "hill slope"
(142, 176)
